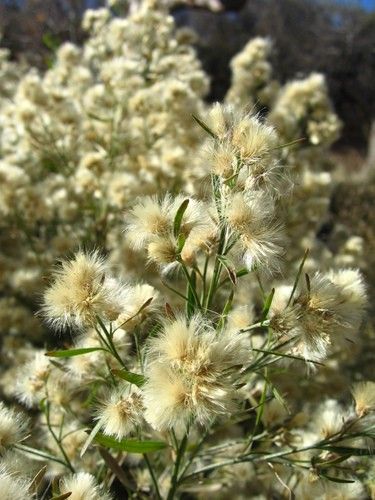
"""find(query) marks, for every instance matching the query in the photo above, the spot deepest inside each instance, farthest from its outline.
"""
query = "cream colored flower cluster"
(109, 121)
(208, 344)
(252, 84)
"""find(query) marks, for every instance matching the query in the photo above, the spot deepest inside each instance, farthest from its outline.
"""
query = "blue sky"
(366, 4)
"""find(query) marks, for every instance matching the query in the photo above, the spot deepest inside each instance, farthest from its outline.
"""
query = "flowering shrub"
(205, 334)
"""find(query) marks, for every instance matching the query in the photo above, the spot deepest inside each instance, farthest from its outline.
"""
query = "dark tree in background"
(308, 35)
(338, 41)
(34, 28)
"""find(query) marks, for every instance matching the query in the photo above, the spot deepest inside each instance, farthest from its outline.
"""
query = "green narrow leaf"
(90, 439)
(129, 445)
(191, 303)
(342, 450)
(291, 356)
(330, 463)
(336, 479)
(62, 497)
(292, 143)
(143, 306)
(178, 217)
(267, 305)
(242, 272)
(169, 311)
(98, 118)
(180, 243)
(37, 480)
(133, 378)
(205, 127)
(229, 267)
(298, 275)
(117, 470)
(280, 399)
(227, 308)
(69, 353)
(308, 285)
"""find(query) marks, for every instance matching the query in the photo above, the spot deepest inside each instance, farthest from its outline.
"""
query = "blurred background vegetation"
(336, 38)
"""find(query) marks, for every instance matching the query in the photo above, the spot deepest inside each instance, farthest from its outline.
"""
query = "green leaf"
(37, 480)
(143, 306)
(169, 311)
(90, 439)
(180, 243)
(133, 378)
(226, 310)
(298, 276)
(336, 479)
(129, 445)
(205, 127)
(62, 496)
(308, 285)
(280, 399)
(342, 450)
(99, 118)
(178, 217)
(285, 355)
(117, 470)
(267, 305)
(191, 302)
(229, 266)
(242, 272)
(329, 463)
(69, 353)
(50, 41)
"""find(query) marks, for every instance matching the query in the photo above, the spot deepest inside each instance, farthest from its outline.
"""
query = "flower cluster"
(209, 344)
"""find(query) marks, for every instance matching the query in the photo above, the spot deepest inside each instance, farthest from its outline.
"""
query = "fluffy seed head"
(12, 426)
(190, 374)
(260, 237)
(13, 487)
(82, 486)
(81, 291)
(121, 412)
(364, 397)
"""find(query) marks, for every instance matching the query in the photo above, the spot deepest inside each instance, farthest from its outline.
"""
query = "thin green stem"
(153, 477)
(56, 439)
(191, 284)
(112, 346)
(180, 453)
(39, 453)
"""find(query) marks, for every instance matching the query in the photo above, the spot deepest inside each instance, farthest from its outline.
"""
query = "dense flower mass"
(210, 342)
(190, 375)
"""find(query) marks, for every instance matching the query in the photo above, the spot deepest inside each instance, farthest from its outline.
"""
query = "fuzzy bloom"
(190, 374)
(81, 291)
(329, 419)
(260, 237)
(134, 311)
(121, 413)
(319, 316)
(12, 426)
(352, 290)
(244, 146)
(13, 487)
(32, 379)
(151, 226)
(83, 486)
(364, 397)
(147, 219)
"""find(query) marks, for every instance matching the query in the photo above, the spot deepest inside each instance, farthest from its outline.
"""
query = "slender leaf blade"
(178, 217)
(129, 445)
(134, 378)
(69, 353)
(204, 126)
